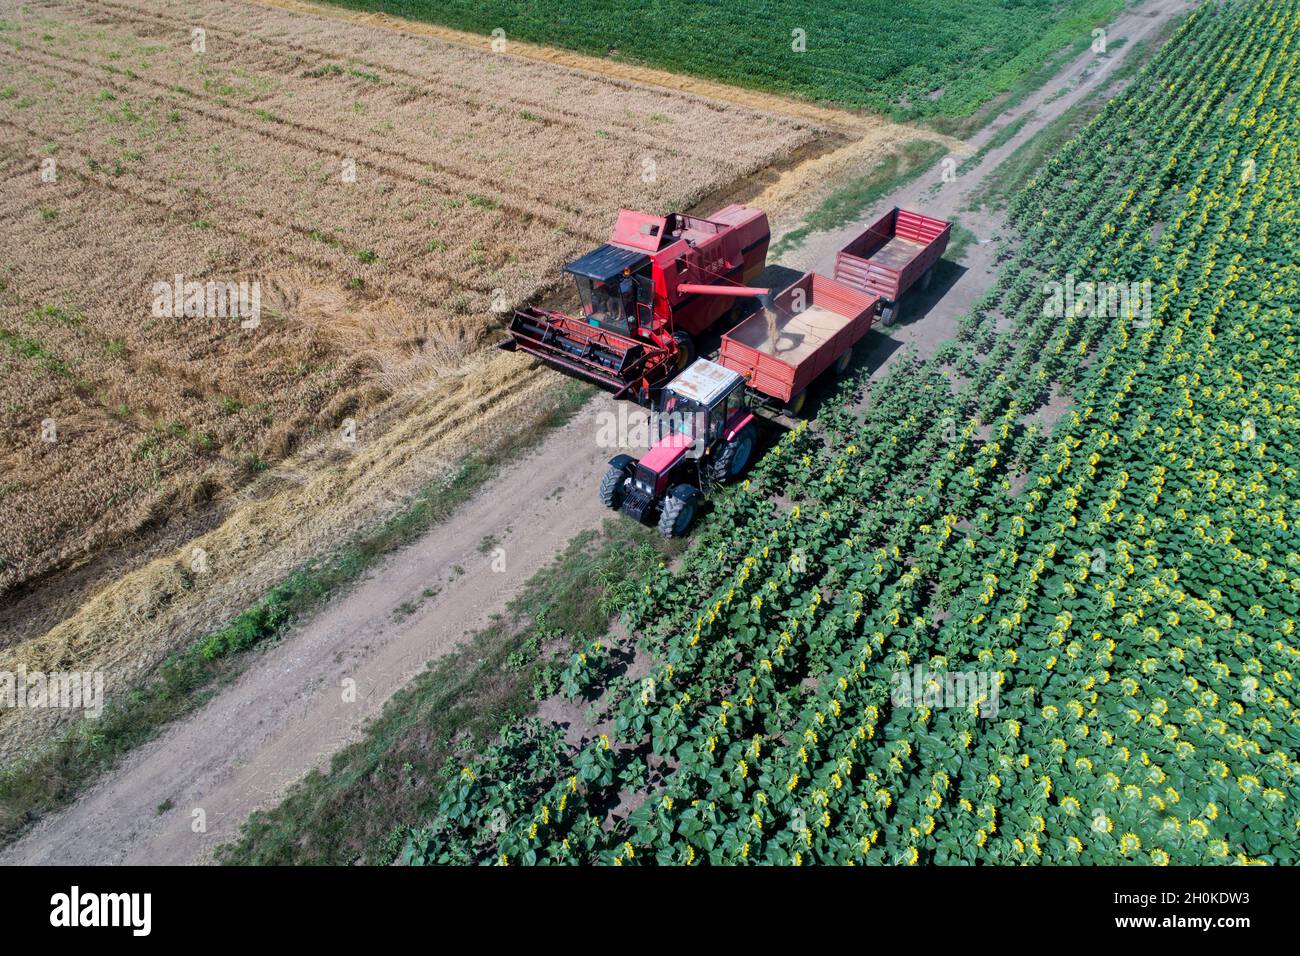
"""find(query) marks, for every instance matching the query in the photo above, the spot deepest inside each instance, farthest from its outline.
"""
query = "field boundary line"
(615, 70)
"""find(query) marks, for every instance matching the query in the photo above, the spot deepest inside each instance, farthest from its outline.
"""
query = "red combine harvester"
(659, 282)
(662, 280)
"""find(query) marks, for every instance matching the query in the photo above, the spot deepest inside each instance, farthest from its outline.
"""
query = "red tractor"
(659, 282)
(704, 433)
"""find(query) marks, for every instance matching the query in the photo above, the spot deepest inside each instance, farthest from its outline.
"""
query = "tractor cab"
(703, 432)
(697, 404)
(616, 289)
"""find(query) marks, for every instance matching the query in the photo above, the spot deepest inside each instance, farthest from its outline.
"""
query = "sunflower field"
(1125, 586)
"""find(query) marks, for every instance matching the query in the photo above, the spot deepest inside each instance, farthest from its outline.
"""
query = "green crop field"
(905, 58)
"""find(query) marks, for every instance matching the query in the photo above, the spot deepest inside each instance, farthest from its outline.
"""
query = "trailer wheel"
(887, 316)
(733, 457)
(843, 362)
(613, 487)
(794, 408)
(925, 279)
(678, 512)
(685, 350)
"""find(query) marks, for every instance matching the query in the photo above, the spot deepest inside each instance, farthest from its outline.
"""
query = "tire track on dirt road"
(284, 716)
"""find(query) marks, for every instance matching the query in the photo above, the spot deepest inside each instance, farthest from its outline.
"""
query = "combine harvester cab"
(659, 282)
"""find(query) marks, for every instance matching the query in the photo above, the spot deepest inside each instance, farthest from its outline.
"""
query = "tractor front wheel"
(678, 512)
(613, 487)
(733, 456)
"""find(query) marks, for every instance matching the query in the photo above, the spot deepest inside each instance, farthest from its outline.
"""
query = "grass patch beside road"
(359, 809)
(958, 241)
(187, 679)
(847, 203)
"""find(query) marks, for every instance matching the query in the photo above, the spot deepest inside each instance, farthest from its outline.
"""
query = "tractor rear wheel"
(733, 456)
(678, 512)
(613, 487)
(685, 350)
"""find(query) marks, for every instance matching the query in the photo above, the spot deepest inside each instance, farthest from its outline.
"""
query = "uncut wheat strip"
(450, 278)
(168, 364)
(173, 203)
(77, 476)
(26, 392)
(472, 99)
(114, 255)
(324, 140)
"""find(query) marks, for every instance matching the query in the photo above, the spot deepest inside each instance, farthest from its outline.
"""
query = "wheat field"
(389, 195)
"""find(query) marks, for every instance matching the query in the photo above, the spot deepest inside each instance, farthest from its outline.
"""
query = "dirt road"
(287, 713)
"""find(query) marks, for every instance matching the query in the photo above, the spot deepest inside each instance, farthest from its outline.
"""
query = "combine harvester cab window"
(618, 303)
(614, 285)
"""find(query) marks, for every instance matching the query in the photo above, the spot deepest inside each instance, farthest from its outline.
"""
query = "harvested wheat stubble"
(477, 175)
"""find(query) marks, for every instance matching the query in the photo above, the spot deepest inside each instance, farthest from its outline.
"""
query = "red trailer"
(896, 251)
(814, 324)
